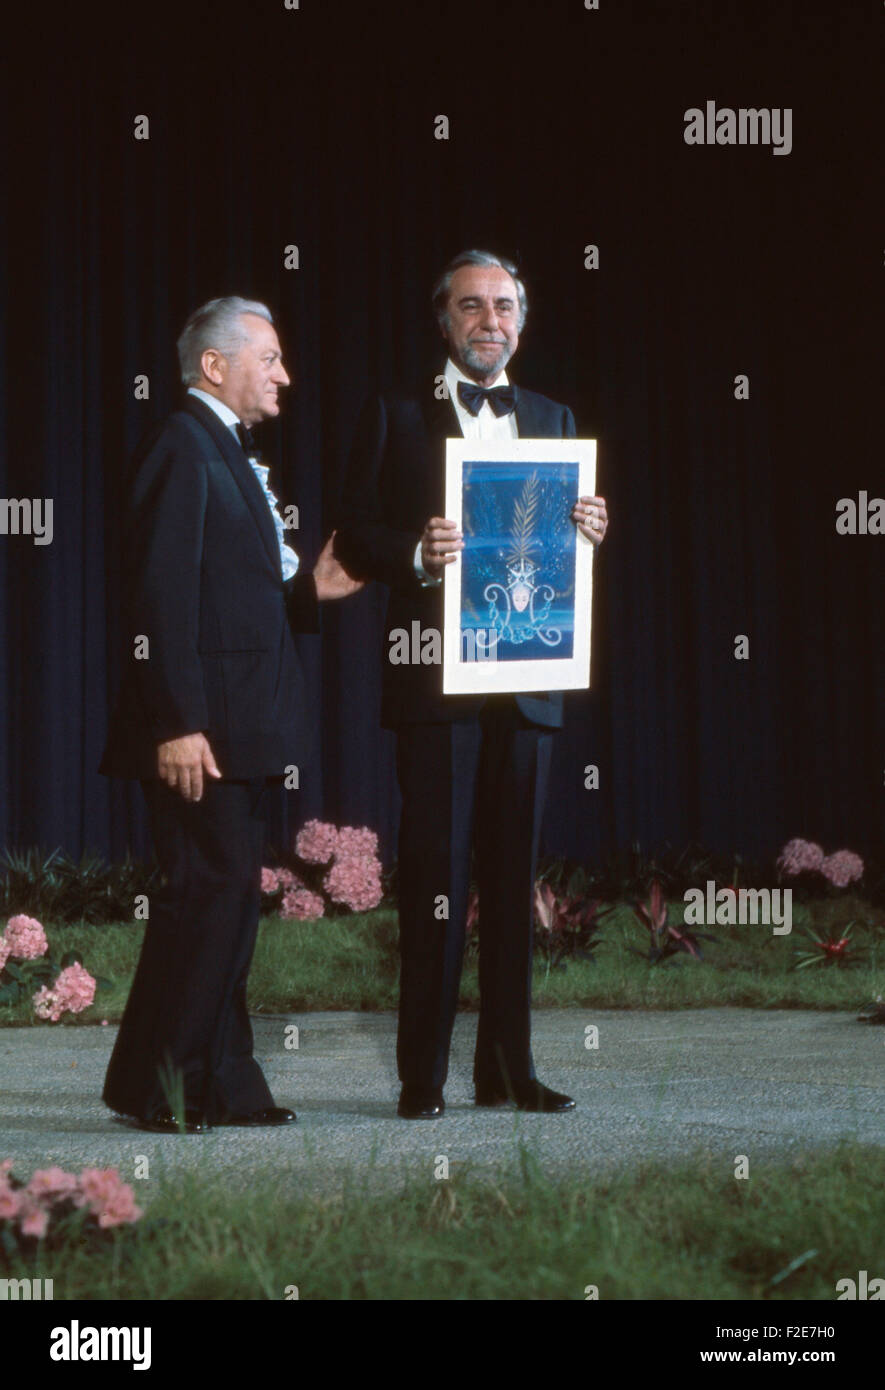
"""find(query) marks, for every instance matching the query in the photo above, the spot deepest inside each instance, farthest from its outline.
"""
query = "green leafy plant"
(566, 925)
(21, 979)
(835, 947)
(52, 885)
(665, 939)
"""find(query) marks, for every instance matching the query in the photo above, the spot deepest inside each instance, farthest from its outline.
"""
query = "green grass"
(352, 963)
(687, 1232)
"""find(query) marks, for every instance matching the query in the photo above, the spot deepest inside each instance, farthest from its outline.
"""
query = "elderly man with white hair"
(212, 709)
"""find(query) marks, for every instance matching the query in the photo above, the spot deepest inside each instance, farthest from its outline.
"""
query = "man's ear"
(214, 365)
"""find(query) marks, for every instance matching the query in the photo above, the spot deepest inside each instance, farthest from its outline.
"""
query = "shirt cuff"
(428, 581)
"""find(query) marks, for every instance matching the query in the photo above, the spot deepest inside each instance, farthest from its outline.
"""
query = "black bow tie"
(502, 399)
(247, 440)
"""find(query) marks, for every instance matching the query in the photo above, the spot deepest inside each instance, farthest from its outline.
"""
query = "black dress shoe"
(531, 1096)
(271, 1115)
(420, 1105)
(164, 1122)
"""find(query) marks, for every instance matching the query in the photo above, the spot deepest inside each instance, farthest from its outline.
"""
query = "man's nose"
(489, 317)
(280, 375)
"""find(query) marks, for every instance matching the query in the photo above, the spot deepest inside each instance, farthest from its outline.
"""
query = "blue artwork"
(518, 562)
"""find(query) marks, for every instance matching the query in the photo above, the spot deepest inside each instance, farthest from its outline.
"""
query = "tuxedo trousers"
(477, 784)
(186, 1022)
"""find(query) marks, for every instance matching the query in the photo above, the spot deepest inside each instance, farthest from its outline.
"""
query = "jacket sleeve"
(365, 543)
(568, 424)
(165, 552)
(302, 605)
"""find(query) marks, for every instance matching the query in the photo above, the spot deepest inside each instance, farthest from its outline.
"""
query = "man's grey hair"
(216, 325)
(444, 283)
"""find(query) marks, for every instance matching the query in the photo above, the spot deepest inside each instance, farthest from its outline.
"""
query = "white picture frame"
(517, 601)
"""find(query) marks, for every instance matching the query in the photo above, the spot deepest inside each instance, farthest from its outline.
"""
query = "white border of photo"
(486, 677)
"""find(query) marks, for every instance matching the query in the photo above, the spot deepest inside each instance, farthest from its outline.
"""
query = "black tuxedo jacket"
(205, 588)
(395, 484)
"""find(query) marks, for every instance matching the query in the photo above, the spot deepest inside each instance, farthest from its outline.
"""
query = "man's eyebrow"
(475, 299)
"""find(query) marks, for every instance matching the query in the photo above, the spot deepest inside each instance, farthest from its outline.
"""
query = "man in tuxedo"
(472, 771)
(212, 709)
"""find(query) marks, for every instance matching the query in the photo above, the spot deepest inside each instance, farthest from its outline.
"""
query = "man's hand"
(330, 576)
(181, 763)
(591, 517)
(440, 542)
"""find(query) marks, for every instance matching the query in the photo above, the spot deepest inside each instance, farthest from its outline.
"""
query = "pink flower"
(302, 905)
(799, 856)
(316, 842)
(97, 1185)
(353, 841)
(10, 1202)
(46, 1004)
(110, 1199)
(355, 882)
(120, 1208)
(72, 992)
(51, 1183)
(5, 952)
(33, 1219)
(25, 937)
(842, 868)
(270, 880)
(288, 880)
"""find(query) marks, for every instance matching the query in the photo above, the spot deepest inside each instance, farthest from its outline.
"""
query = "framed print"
(517, 601)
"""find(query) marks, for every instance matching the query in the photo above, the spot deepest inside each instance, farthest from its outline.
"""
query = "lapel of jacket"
(527, 422)
(231, 452)
(440, 418)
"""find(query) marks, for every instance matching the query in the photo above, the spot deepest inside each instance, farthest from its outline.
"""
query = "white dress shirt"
(486, 425)
(288, 558)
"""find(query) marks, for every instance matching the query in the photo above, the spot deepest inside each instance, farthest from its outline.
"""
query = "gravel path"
(659, 1085)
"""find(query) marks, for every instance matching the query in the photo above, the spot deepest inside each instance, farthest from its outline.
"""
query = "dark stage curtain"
(315, 127)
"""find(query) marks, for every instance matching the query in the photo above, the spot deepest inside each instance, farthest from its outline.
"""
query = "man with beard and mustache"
(471, 769)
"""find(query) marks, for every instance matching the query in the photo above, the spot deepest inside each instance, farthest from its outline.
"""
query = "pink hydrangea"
(800, 856)
(72, 992)
(355, 882)
(25, 937)
(353, 840)
(842, 868)
(288, 880)
(270, 880)
(5, 952)
(316, 842)
(302, 905)
(46, 1004)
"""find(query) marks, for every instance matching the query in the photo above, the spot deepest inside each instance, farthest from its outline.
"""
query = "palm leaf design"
(525, 515)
